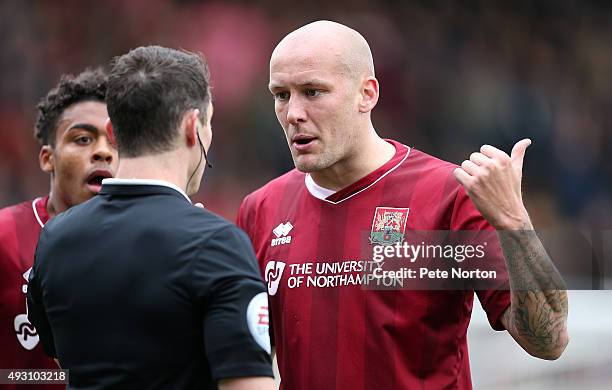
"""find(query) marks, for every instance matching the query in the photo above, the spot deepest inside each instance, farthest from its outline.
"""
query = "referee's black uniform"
(138, 289)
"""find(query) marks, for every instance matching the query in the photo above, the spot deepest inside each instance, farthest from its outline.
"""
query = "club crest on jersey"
(281, 232)
(389, 225)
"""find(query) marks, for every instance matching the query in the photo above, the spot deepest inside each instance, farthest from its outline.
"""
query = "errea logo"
(281, 232)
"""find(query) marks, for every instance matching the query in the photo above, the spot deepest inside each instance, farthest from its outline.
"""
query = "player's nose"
(296, 113)
(104, 151)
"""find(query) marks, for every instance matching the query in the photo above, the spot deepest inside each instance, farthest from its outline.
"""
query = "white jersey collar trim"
(40, 222)
(316, 190)
(320, 192)
(145, 182)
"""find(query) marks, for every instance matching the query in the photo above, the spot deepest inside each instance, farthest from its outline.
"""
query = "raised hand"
(492, 179)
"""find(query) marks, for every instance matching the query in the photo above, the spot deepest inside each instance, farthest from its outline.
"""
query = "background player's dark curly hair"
(90, 85)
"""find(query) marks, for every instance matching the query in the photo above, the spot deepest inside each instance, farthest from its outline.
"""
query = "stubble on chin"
(309, 166)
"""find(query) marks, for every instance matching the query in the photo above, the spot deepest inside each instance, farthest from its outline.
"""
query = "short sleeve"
(243, 221)
(236, 319)
(241, 218)
(36, 310)
(495, 300)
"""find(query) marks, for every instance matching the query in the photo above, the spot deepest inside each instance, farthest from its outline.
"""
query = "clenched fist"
(492, 179)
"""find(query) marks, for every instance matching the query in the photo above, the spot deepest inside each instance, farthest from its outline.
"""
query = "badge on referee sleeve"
(258, 320)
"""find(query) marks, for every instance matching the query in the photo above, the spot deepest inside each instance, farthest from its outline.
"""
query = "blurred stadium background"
(454, 75)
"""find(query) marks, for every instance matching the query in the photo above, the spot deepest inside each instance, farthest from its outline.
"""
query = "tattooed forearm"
(536, 325)
(538, 312)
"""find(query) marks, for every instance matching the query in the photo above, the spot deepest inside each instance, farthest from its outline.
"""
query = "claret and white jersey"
(20, 226)
(329, 331)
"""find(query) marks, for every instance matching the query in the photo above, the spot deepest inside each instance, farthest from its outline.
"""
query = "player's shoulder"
(18, 209)
(428, 174)
(429, 164)
(12, 213)
(290, 181)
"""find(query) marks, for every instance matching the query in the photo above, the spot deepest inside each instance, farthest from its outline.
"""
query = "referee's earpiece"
(208, 163)
(203, 150)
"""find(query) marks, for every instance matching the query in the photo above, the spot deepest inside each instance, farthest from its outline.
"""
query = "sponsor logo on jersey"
(281, 232)
(258, 320)
(26, 333)
(389, 225)
(273, 274)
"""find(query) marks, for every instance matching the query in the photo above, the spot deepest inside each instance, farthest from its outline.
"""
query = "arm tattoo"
(538, 313)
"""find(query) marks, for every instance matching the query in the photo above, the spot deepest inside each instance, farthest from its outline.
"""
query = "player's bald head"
(327, 41)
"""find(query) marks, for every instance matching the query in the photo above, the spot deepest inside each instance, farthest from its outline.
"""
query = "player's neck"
(55, 205)
(165, 166)
(368, 157)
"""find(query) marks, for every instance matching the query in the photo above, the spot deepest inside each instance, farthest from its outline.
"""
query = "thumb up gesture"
(492, 180)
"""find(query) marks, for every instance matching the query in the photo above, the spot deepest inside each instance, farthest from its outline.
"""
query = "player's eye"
(83, 140)
(283, 95)
(312, 92)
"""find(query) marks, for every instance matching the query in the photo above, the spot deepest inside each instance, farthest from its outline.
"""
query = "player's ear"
(45, 159)
(111, 132)
(369, 94)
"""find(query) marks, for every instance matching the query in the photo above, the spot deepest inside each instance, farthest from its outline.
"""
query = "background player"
(340, 336)
(76, 152)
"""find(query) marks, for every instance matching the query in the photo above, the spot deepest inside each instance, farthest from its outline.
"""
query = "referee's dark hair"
(149, 91)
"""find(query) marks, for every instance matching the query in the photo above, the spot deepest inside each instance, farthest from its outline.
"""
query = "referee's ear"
(192, 127)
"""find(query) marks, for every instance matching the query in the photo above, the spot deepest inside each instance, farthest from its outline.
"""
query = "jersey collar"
(39, 207)
(145, 182)
(401, 154)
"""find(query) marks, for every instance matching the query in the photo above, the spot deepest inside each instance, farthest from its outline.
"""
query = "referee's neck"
(168, 166)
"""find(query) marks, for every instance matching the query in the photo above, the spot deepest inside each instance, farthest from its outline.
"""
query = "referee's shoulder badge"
(389, 225)
(258, 320)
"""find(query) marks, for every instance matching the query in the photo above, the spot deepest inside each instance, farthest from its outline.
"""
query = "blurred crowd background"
(453, 75)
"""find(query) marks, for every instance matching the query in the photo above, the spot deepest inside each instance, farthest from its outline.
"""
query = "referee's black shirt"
(139, 289)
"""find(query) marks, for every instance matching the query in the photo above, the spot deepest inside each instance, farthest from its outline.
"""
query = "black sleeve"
(244, 220)
(36, 310)
(236, 321)
(271, 332)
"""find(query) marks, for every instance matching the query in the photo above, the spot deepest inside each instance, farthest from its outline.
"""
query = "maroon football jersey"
(20, 227)
(329, 331)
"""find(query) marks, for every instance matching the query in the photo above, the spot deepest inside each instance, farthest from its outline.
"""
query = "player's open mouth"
(94, 180)
(303, 142)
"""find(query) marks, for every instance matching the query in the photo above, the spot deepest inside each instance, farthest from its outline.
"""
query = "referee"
(137, 288)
